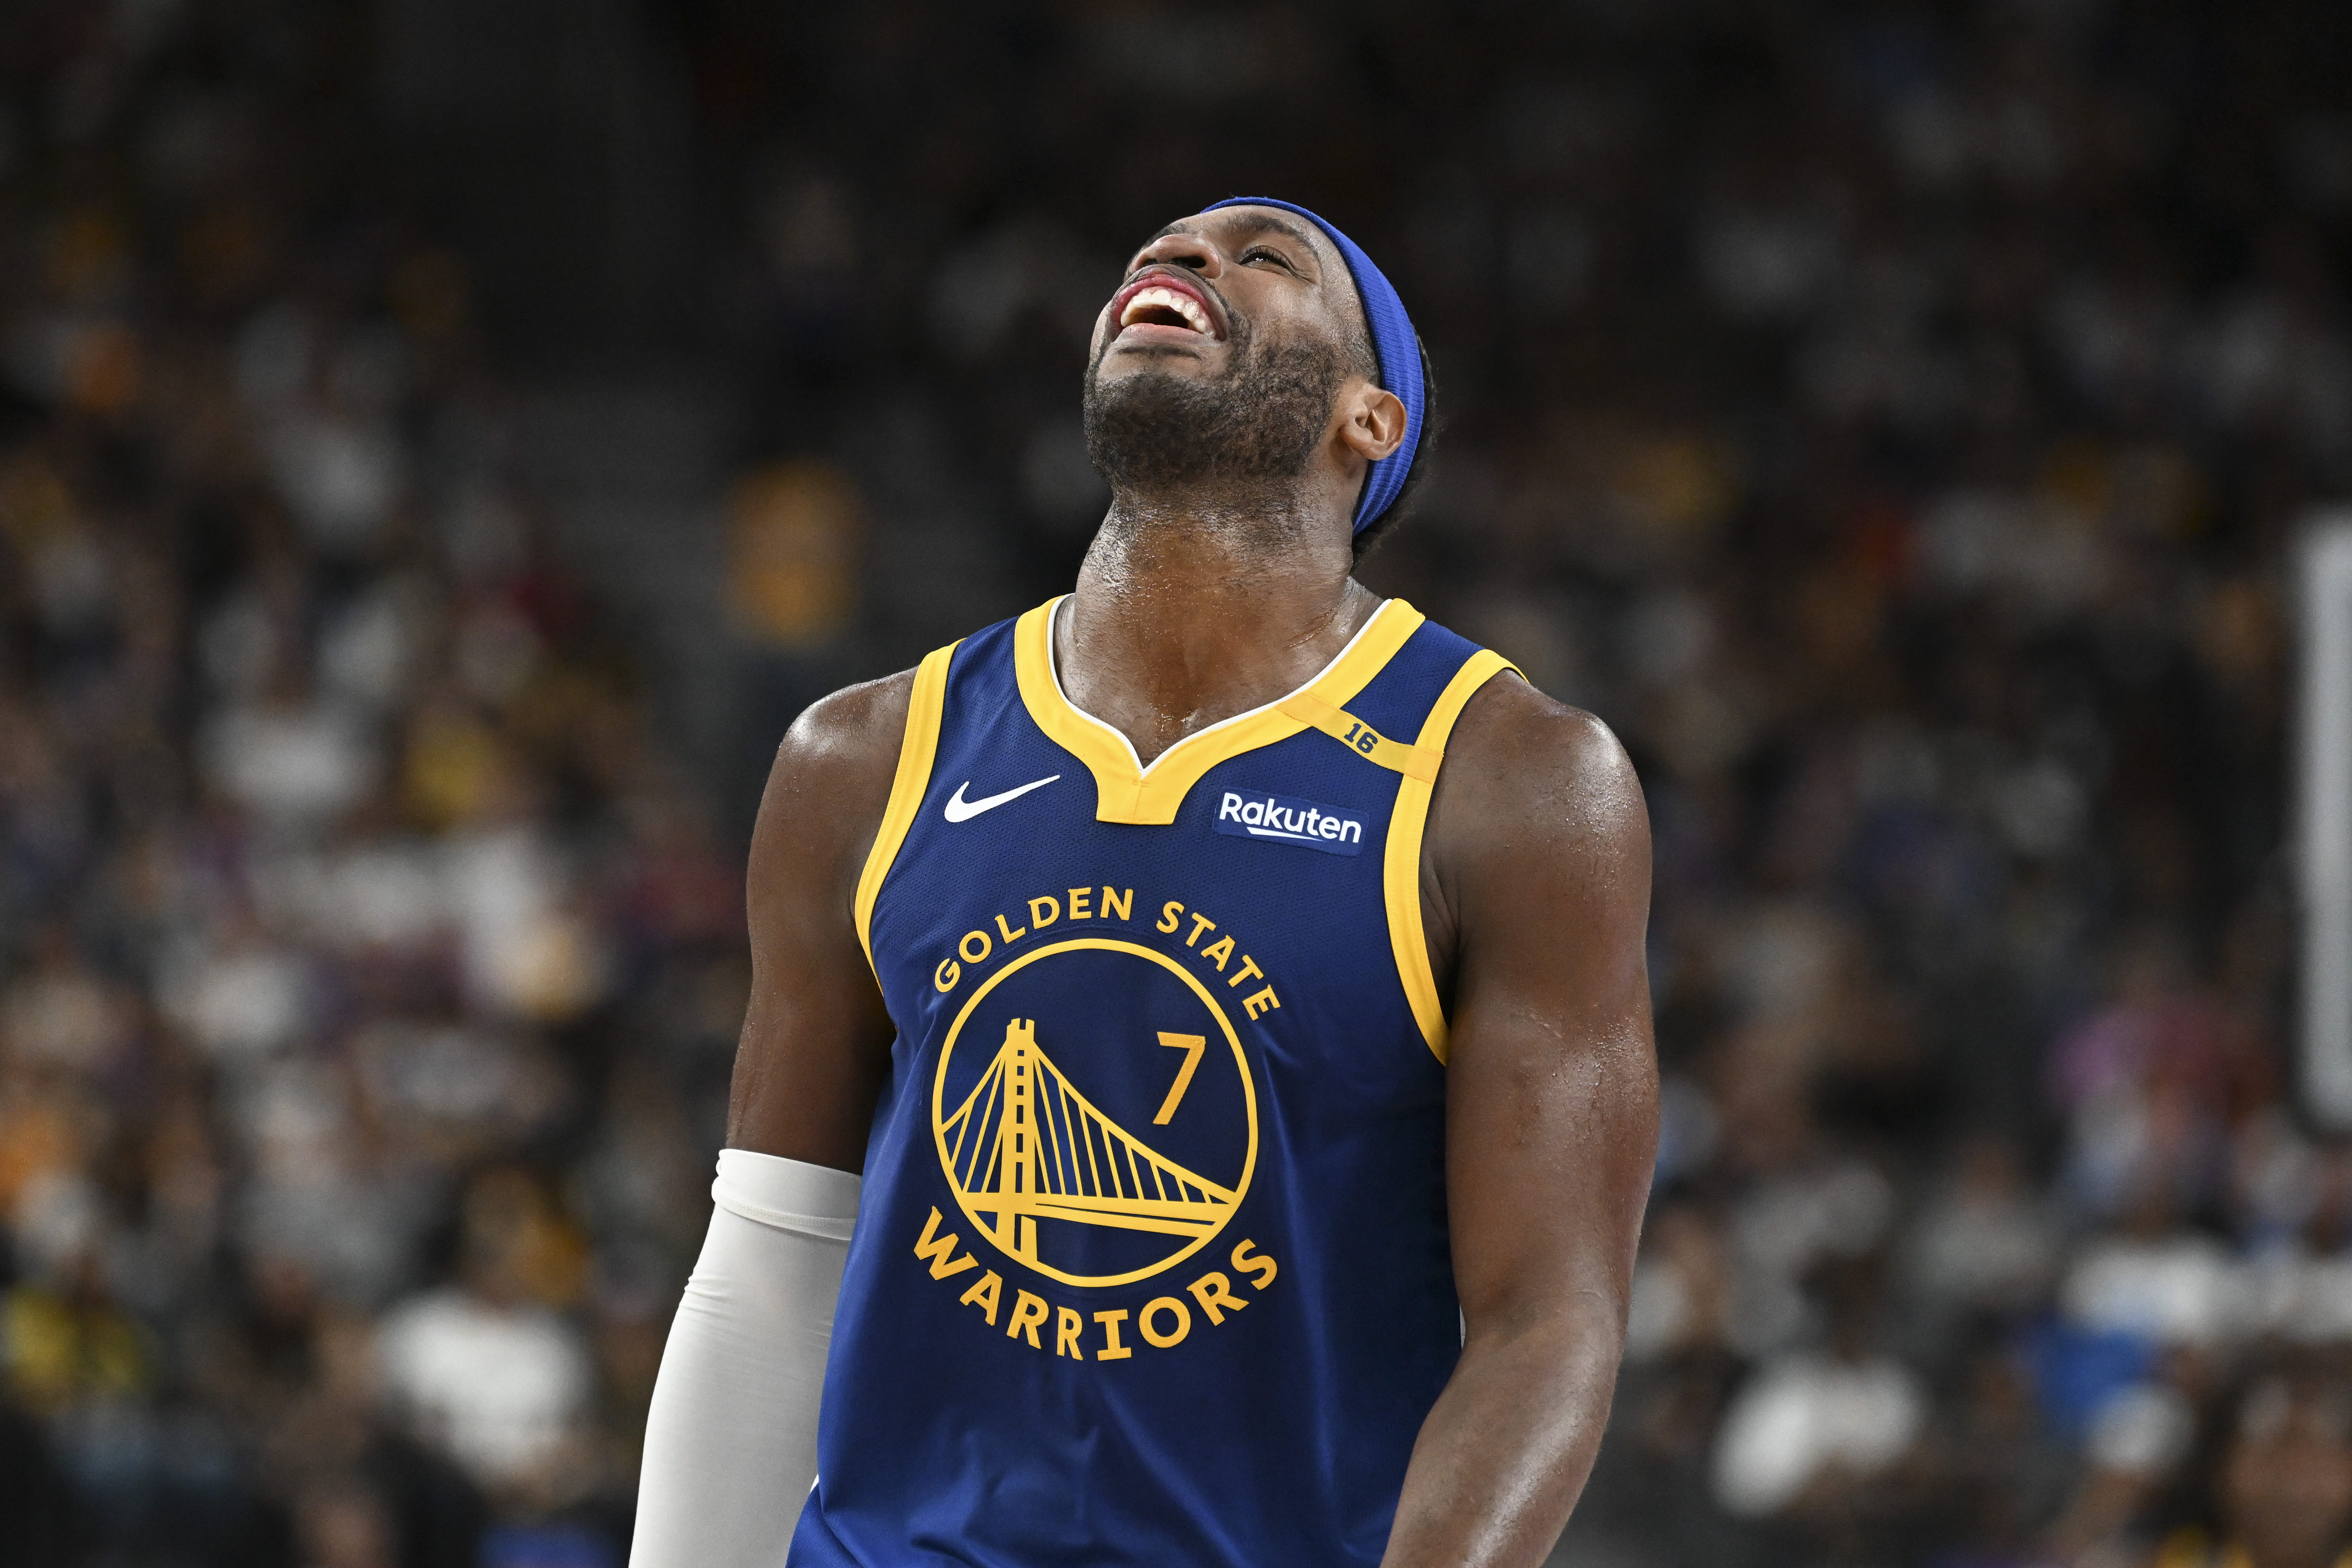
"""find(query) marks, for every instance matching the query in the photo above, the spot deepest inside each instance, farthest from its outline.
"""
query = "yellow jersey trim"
(1125, 792)
(1401, 867)
(925, 705)
(1361, 738)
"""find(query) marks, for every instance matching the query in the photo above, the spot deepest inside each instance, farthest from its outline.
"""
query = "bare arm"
(1536, 886)
(731, 1433)
(816, 1036)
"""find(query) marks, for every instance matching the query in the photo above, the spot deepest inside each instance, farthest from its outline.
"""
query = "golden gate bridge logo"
(1026, 1146)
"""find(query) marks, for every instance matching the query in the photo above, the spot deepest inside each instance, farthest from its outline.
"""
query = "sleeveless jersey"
(1150, 1263)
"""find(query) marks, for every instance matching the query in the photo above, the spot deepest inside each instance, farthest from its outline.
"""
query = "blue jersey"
(1150, 1263)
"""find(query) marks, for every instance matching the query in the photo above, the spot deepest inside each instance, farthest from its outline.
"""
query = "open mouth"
(1161, 302)
(1164, 308)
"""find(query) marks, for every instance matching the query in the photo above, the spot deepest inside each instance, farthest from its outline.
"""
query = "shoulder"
(831, 781)
(852, 728)
(1523, 772)
(1536, 862)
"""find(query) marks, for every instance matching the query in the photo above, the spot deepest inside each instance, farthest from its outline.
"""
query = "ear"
(1371, 421)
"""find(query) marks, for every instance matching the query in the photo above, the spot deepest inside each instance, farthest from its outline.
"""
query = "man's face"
(1221, 354)
(1237, 274)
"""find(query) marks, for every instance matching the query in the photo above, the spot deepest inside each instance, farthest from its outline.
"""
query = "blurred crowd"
(363, 967)
(1895, 419)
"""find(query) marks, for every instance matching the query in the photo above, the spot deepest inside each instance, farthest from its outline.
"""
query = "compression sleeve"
(730, 1440)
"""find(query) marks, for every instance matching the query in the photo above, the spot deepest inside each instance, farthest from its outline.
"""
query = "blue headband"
(1393, 344)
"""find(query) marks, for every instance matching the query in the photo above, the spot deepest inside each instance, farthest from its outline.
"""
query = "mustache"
(1238, 332)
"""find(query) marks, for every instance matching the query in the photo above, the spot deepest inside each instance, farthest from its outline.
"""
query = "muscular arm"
(816, 1038)
(731, 1437)
(1536, 887)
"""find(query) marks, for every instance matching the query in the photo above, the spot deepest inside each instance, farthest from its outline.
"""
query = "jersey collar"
(1127, 791)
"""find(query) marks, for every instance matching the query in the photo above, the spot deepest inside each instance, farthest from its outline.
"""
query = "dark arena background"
(443, 443)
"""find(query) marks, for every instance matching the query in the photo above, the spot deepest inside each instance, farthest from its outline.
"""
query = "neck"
(1188, 613)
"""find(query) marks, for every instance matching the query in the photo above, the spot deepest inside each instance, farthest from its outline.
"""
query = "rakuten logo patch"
(1282, 819)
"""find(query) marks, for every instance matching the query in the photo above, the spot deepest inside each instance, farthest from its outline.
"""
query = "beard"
(1257, 424)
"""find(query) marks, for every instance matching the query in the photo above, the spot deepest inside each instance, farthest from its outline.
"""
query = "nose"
(1190, 251)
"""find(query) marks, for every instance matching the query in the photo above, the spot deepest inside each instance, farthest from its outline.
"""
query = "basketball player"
(1217, 998)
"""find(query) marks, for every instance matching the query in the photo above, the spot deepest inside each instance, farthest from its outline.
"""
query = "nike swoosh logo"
(959, 809)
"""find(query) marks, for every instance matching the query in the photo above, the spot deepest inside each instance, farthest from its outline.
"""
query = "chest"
(1267, 890)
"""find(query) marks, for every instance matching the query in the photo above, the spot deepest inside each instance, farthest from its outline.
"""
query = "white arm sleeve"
(730, 1440)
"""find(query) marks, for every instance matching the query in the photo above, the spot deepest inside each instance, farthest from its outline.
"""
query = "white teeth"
(1184, 305)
